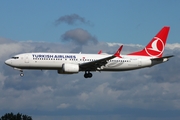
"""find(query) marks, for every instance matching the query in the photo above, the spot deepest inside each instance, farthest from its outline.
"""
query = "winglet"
(117, 53)
(100, 52)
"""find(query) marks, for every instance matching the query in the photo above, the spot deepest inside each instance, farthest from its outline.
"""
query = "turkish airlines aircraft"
(69, 63)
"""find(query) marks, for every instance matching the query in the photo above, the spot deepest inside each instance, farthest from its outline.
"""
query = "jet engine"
(68, 68)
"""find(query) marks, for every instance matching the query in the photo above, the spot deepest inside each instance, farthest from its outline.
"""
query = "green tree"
(18, 116)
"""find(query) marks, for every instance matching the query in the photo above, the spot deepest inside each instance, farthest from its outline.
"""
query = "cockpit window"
(15, 57)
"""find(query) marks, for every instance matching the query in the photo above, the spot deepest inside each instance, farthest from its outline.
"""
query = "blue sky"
(145, 94)
(124, 21)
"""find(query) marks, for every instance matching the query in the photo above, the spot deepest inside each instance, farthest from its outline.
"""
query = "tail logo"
(155, 48)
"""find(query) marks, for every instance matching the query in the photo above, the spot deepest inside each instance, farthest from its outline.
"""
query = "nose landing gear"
(22, 74)
(21, 71)
(87, 74)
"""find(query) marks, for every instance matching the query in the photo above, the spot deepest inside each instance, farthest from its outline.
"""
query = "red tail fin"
(156, 46)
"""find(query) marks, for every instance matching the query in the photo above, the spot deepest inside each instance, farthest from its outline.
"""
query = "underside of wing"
(95, 65)
(98, 64)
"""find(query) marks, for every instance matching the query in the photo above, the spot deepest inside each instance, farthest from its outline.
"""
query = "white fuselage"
(54, 61)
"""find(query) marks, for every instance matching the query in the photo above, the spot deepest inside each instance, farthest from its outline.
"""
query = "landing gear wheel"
(21, 74)
(87, 74)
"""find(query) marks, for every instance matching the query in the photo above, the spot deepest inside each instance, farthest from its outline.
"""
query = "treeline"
(18, 116)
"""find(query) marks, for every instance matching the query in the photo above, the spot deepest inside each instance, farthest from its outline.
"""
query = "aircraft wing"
(97, 64)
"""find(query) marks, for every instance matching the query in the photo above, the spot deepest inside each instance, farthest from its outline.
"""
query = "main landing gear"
(87, 74)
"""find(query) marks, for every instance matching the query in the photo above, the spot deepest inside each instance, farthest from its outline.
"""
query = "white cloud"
(84, 96)
(63, 106)
(130, 45)
(155, 88)
(2, 79)
(42, 89)
(173, 46)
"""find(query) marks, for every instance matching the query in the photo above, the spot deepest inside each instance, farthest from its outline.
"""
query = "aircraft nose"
(8, 62)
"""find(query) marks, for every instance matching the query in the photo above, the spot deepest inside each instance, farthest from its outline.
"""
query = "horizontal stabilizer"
(163, 57)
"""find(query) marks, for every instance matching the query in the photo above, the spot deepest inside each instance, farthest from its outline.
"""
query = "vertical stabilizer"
(155, 47)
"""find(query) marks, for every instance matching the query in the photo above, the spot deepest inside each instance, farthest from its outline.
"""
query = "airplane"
(70, 63)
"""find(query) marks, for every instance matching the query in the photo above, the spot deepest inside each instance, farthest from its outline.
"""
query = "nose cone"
(8, 62)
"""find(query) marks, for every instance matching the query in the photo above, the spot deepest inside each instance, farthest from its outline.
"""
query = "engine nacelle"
(68, 68)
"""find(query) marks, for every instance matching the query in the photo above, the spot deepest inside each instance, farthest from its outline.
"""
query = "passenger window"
(15, 57)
